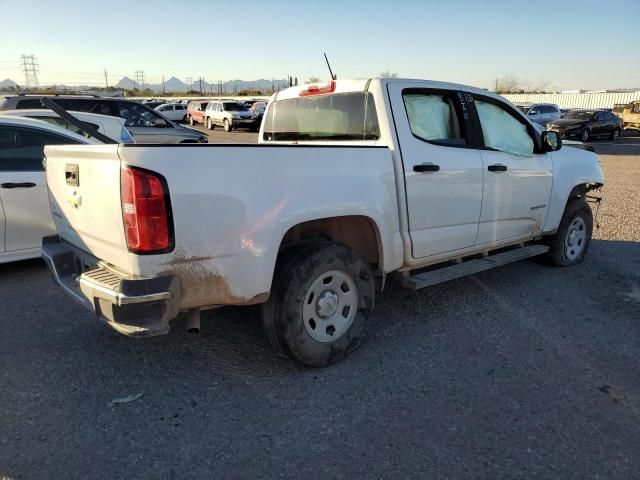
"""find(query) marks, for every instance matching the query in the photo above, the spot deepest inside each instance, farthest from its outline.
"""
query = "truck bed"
(231, 206)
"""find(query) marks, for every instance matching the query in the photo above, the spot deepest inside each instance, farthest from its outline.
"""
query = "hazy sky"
(569, 44)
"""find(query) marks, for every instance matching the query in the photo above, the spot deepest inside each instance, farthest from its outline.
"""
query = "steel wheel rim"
(575, 239)
(615, 134)
(330, 306)
(585, 135)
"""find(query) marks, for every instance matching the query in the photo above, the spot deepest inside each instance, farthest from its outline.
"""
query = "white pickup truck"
(353, 180)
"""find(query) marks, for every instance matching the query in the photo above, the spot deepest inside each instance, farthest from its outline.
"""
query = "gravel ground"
(521, 372)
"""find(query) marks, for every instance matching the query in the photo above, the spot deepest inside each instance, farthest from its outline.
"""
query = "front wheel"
(319, 305)
(191, 122)
(227, 125)
(585, 135)
(570, 244)
(210, 124)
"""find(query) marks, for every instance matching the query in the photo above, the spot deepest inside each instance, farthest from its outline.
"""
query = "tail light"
(145, 211)
(319, 89)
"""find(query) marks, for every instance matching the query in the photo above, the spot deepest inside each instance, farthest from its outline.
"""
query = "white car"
(112, 127)
(25, 216)
(176, 112)
(543, 113)
(361, 182)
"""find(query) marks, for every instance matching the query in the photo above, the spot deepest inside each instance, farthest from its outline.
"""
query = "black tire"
(560, 253)
(296, 273)
(191, 122)
(615, 134)
(210, 124)
(227, 125)
(184, 119)
(585, 135)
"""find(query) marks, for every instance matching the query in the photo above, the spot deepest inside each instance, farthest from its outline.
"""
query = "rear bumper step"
(132, 306)
(470, 267)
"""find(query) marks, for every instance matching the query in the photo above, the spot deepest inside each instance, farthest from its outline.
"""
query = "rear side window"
(433, 118)
(22, 149)
(341, 116)
(502, 131)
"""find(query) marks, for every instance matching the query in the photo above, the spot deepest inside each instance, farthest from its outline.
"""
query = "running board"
(470, 267)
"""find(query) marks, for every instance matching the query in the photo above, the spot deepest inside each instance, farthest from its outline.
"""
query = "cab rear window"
(341, 116)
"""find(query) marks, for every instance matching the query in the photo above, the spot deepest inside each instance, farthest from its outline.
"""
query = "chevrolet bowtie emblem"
(75, 200)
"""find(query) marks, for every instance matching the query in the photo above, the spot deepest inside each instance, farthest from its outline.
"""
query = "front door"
(443, 176)
(23, 189)
(517, 181)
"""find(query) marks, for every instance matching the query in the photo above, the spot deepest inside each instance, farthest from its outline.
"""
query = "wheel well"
(355, 231)
(580, 191)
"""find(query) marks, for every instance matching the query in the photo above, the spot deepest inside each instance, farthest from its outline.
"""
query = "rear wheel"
(227, 125)
(319, 305)
(570, 244)
(585, 135)
(184, 119)
(191, 122)
(615, 134)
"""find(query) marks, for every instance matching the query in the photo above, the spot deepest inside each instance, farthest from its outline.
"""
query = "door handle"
(498, 167)
(426, 167)
(18, 185)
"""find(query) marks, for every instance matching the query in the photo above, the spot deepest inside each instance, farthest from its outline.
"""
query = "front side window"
(433, 117)
(336, 117)
(502, 131)
(21, 149)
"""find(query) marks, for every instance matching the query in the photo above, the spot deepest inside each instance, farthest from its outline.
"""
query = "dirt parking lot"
(521, 372)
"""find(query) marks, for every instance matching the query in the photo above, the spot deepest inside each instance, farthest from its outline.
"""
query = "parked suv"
(229, 114)
(146, 125)
(543, 113)
(195, 112)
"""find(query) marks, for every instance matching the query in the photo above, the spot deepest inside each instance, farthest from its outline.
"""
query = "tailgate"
(84, 193)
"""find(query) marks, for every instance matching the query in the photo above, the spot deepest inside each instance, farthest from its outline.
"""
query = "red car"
(195, 112)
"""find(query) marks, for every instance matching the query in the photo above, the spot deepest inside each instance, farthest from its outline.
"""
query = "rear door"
(23, 189)
(517, 181)
(443, 174)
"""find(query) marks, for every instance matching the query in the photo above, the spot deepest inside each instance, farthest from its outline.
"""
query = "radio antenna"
(333, 77)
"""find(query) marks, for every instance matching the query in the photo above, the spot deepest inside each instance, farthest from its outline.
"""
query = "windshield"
(343, 116)
(580, 114)
(234, 107)
(137, 115)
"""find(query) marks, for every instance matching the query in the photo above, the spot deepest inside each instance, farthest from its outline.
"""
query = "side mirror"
(159, 123)
(551, 141)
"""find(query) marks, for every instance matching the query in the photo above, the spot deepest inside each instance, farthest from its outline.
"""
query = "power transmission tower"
(201, 80)
(189, 83)
(30, 68)
(140, 78)
(106, 79)
(164, 90)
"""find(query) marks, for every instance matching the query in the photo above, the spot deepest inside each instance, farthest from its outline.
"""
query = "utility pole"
(30, 69)
(164, 90)
(106, 79)
(189, 83)
(201, 85)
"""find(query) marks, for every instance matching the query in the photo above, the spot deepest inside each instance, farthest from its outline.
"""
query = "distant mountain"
(174, 84)
(8, 83)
